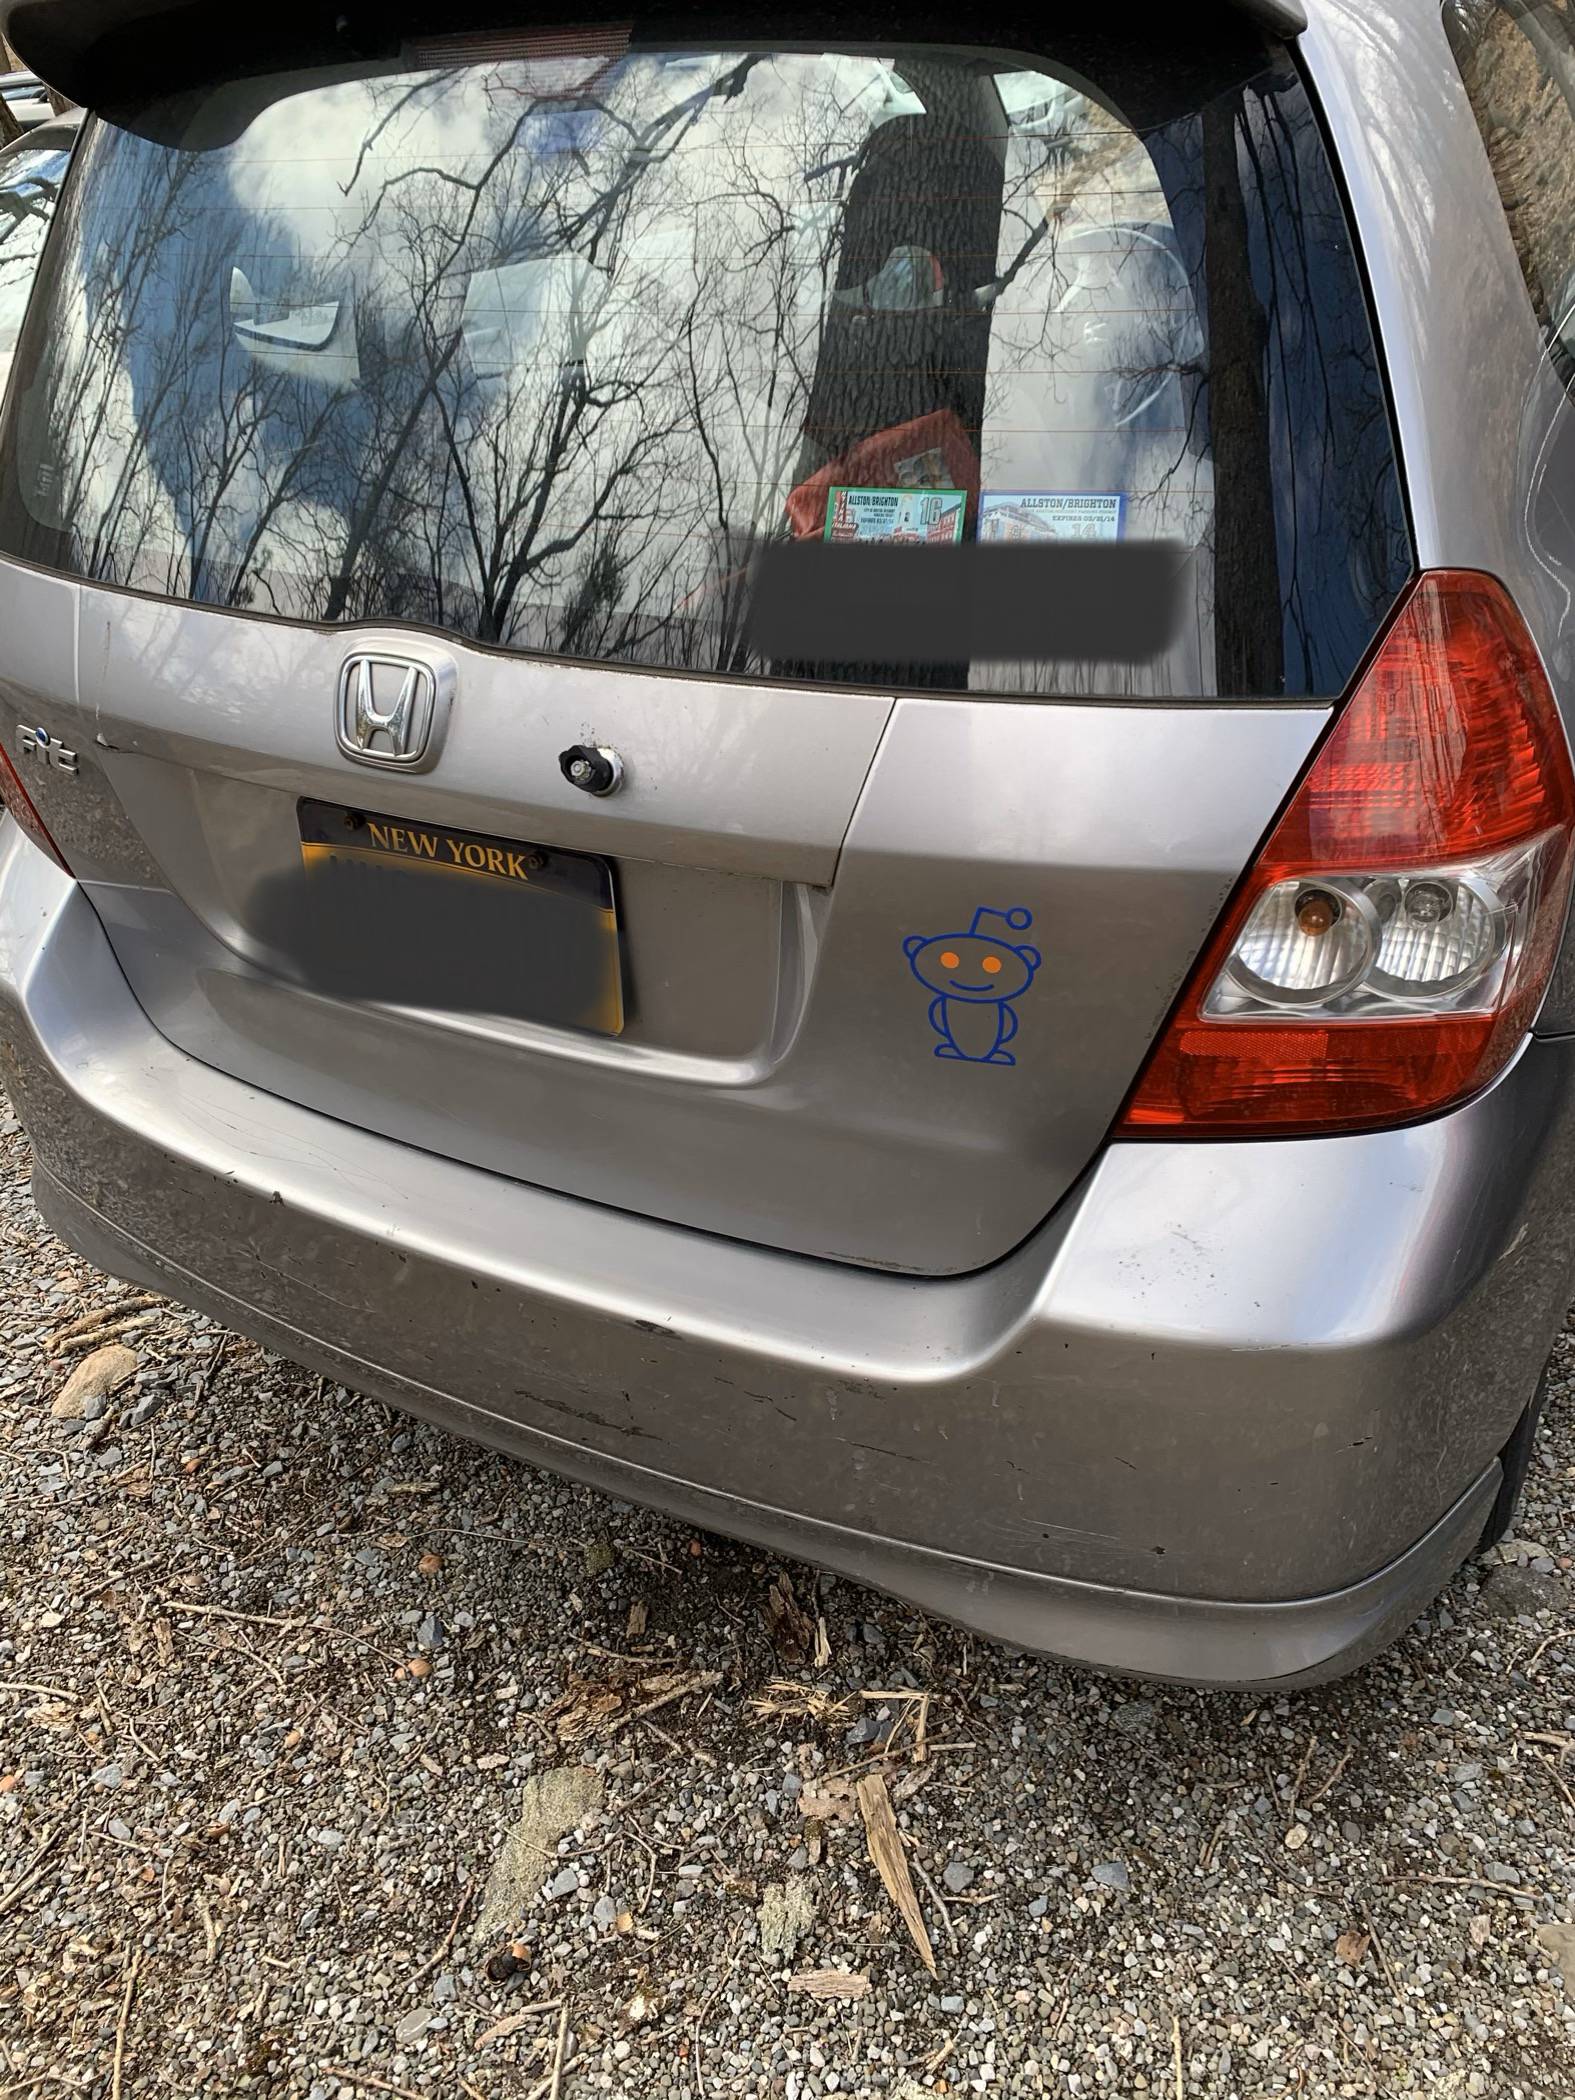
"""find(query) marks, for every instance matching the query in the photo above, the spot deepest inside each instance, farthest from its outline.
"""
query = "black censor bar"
(1070, 601)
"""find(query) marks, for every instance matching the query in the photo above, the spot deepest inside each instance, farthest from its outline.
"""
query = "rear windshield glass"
(535, 346)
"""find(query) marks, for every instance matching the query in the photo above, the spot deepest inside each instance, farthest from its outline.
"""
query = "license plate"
(419, 914)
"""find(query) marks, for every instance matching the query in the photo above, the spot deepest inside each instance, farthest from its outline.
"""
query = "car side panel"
(1485, 426)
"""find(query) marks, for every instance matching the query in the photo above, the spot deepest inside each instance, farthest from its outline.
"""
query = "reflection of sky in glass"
(29, 184)
(428, 346)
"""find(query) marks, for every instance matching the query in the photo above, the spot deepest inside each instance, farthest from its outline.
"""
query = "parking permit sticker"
(896, 517)
(1051, 514)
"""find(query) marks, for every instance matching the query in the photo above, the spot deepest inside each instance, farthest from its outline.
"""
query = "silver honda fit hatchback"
(1038, 1075)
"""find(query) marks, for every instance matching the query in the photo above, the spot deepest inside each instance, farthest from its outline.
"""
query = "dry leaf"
(430, 1564)
(885, 1843)
(1351, 1948)
(638, 1614)
(830, 1983)
(832, 1803)
(1296, 1837)
(1481, 1929)
(511, 2023)
(603, 1706)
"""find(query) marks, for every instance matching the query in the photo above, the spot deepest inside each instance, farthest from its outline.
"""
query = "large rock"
(551, 1804)
(787, 1911)
(95, 1378)
(1514, 1593)
(1558, 1943)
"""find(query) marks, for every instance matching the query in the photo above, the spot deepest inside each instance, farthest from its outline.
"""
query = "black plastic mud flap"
(1515, 1459)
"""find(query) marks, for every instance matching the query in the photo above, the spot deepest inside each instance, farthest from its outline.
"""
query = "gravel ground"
(280, 1673)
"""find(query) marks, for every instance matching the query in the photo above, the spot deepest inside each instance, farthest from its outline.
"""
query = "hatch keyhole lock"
(596, 769)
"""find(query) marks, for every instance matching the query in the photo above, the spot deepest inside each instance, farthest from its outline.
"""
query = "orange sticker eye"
(948, 960)
(992, 966)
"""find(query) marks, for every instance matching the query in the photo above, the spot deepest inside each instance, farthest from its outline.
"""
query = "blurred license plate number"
(403, 911)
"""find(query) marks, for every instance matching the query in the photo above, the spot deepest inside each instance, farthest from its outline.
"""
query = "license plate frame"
(408, 912)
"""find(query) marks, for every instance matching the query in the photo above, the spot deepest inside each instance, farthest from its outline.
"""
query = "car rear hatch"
(384, 434)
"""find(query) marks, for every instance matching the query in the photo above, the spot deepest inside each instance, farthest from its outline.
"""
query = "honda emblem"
(392, 710)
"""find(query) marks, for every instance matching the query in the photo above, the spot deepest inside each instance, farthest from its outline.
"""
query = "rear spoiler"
(106, 52)
(1284, 17)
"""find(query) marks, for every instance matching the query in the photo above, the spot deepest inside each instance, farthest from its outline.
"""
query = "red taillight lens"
(1392, 944)
(19, 804)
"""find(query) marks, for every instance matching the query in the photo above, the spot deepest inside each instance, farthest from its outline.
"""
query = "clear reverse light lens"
(1439, 936)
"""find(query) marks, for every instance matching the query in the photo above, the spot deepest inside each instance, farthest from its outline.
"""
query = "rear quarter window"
(29, 186)
(533, 348)
(1517, 58)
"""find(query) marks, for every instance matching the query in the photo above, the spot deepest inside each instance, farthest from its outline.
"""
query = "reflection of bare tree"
(539, 370)
(29, 187)
(1518, 60)
(1246, 562)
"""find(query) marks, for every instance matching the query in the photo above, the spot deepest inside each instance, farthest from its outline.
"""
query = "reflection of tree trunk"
(9, 128)
(1249, 644)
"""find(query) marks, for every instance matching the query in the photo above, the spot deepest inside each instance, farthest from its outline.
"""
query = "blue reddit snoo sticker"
(976, 976)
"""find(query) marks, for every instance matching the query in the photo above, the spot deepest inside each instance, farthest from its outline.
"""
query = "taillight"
(1392, 944)
(19, 803)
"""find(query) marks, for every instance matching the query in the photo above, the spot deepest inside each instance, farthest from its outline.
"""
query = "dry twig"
(1378, 1949)
(552, 2084)
(938, 1900)
(95, 1337)
(370, 2079)
(432, 1960)
(106, 1315)
(117, 2070)
(1457, 1881)
(783, 1700)
(33, 1871)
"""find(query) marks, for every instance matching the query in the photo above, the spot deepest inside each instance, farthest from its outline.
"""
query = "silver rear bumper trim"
(1130, 1632)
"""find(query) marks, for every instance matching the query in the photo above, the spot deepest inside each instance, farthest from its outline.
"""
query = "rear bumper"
(1231, 1415)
